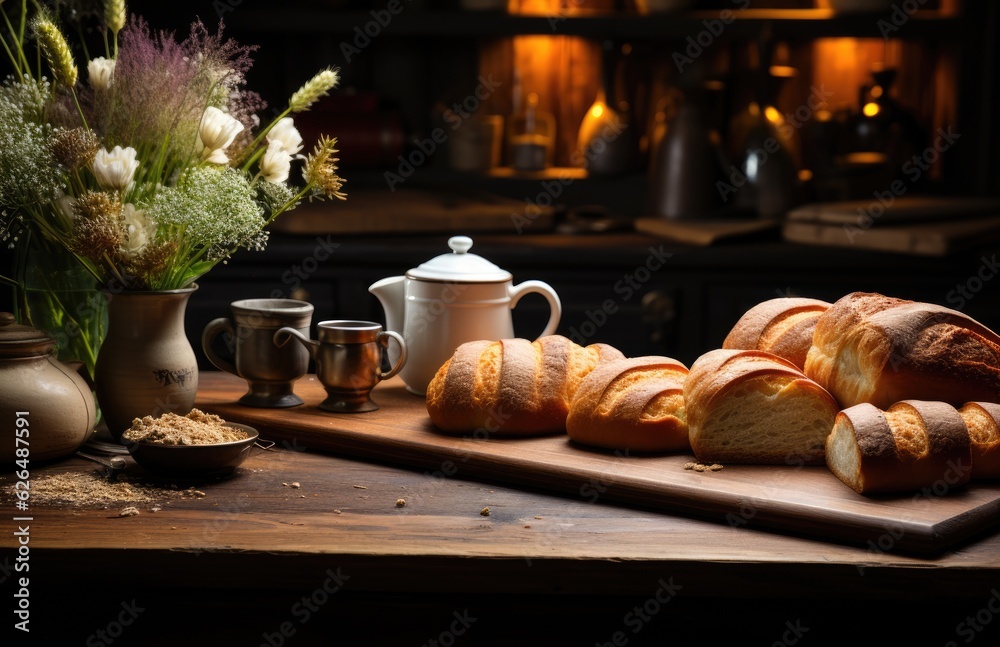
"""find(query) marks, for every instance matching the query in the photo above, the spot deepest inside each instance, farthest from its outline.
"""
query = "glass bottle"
(531, 137)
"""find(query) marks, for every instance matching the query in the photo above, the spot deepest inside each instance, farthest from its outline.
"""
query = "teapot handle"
(555, 306)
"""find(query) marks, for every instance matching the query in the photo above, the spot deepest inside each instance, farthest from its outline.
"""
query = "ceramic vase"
(146, 365)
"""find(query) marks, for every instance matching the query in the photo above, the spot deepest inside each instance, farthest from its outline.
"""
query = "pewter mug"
(348, 356)
(269, 370)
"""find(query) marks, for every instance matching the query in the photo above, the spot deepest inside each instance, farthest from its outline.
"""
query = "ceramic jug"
(449, 300)
(47, 406)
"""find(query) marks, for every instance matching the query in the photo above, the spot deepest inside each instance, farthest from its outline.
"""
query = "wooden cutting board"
(803, 500)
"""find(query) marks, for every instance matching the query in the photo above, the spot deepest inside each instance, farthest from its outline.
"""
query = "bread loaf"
(982, 420)
(748, 406)
(782, 326)
(512, 387)
(633, 404)
(912, 445)
(871, 348)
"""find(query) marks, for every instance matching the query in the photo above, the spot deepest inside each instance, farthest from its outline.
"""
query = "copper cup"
(348, 356)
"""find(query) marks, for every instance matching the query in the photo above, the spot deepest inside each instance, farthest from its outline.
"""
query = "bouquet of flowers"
(155, 168)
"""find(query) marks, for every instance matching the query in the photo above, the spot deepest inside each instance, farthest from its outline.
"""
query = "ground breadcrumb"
(195, 428)
(91, 489)
(701, 467)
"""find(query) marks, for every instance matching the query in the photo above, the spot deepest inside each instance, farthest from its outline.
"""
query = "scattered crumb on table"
(702, 467)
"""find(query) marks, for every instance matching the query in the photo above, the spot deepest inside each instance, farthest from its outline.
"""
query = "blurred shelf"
(787, 24)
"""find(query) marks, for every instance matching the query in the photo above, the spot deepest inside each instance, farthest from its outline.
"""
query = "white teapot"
(449, 300)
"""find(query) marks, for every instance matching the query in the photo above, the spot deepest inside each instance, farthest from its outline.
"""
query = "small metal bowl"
(218, 459)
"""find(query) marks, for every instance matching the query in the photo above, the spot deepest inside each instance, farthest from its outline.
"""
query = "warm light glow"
(753, 109)
(597, 110)
(843, 65)
(805, 175)
(871, 109)
(866, 158)
(773, 115)
(823, 115)
(877, 92)
(783, 71)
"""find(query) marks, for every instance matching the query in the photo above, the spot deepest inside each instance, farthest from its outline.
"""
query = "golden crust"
(782, 326)
(881, 350)
(727, 380)
(911, 446)
(632, 404)
(511, 387)
(982, 419)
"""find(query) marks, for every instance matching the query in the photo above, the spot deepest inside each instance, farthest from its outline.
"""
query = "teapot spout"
(391, 293)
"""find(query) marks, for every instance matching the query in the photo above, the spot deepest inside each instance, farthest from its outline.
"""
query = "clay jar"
(47, 407)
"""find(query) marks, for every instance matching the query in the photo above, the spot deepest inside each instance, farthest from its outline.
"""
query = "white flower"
(285, 132)
(217, 132)
(115, 170)
(65, 204)
(276, 163)
(139, 230)
(101, 72)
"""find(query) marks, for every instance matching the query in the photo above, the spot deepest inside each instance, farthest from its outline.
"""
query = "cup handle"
(282, 336)
(555, 306)
(383, 338)
(215, 328)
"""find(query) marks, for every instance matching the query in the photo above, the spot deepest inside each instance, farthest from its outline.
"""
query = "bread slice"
(632, 404)
(982, 420)
(748, 406)
(868, 347)
(782, 326)
(511, 387)
(912, 445)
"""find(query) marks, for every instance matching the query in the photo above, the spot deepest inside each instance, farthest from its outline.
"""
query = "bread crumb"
(360, 487)
(485, 512)
(129, 511)
(92, 489)
(537, 517)
(702, 467)
(295, 485)
(194, 428)
(527, 525)
(400, 503)
(336, 512)
(155, 509)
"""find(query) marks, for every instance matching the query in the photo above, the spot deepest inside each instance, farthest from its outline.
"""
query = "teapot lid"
(460, 266)
(18, 340)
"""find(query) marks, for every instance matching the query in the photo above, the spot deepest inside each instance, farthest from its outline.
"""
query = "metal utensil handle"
(383, 338)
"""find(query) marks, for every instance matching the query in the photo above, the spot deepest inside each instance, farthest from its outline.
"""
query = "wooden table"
(339, 561)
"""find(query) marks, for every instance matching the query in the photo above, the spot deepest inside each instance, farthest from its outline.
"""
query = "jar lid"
(18, 340)
(460, 266)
